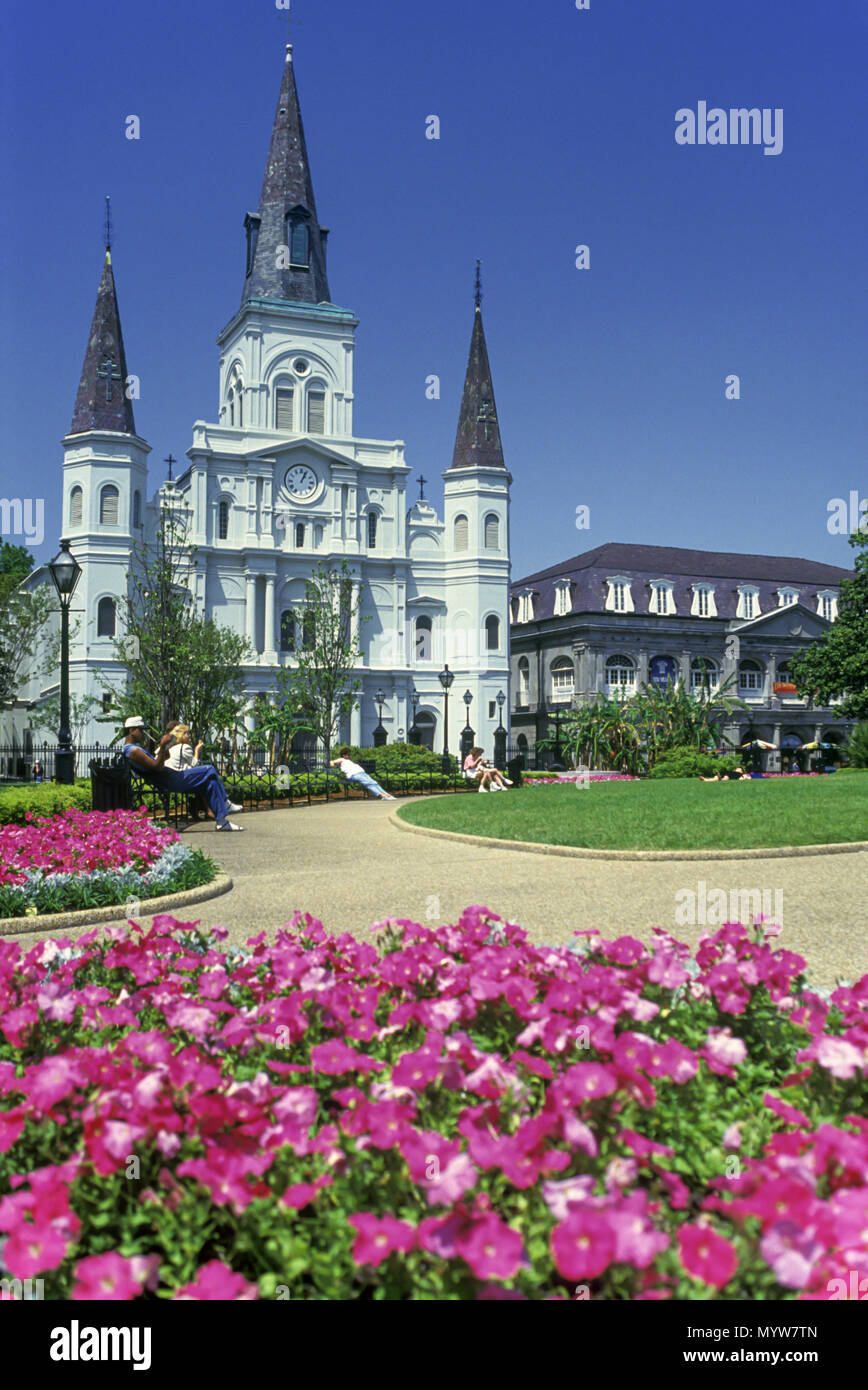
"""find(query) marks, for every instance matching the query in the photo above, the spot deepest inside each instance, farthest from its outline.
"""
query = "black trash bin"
(111, 785)
(513, 770)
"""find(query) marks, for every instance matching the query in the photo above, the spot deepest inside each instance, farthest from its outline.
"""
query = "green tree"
(320, 688)
(834, 669)
(177, 664)
(24, 616)
(15, 565)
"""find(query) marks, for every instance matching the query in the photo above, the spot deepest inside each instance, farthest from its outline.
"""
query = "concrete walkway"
(346, 864)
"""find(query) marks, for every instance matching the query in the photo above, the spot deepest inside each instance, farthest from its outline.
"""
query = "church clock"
(301, 482)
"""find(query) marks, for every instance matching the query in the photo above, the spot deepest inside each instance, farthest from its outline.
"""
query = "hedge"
(42, 799)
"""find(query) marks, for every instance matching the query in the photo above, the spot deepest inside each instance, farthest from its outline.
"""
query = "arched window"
(76, 506)
(750, 678)
(703, 674)
(108, 505)
(492, 532)
(461, 535)
(308, 632)
(523, 680)
(287, 630)
(137, 509)
(424, 635)
(230, 397)
(620, 674)
(223, 521)
(105, 618)
(492, 634)
(299, 536)
(372, 530)
(426, 725)
(563, 679)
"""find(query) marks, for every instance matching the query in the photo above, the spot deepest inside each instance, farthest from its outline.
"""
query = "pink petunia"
(107, 1278)
(33, 1249)
(491, 1249)
(379, 1236)
(707, 1255)
(583, 1245)
(216, 1282)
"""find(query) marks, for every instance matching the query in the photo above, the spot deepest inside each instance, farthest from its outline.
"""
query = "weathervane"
(287, 6)
(108, 223)
(478, 294)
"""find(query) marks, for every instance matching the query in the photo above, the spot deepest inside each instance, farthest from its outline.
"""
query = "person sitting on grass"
(354, 773)
(189, 781)
(476, 768)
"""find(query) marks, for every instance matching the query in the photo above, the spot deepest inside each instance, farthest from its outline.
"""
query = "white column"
(269, 642)
(251, 611)
(356, 720)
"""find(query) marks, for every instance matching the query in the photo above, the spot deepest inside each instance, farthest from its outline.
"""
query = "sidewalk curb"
(57, 921)
(648, 855)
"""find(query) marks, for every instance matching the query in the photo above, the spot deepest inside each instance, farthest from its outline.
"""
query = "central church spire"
(286, 246)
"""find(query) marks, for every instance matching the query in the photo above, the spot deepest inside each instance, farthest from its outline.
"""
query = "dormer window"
(787, 596)
(563, 598)
(748, 602)
(662, 598)
(298, 238)
(525, 606)
(827, 605)
(703, 605)
(619, 598)
(251, 227)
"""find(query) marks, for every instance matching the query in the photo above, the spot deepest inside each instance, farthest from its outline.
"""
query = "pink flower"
(707, 1255)
(791, 1251)
(583, 1245)
(492, 1249)
(32, 1249)
(379, 1236)
(732, 1137)
(216, 1282)
(839, 1057)
(106, 1278)
(723, 1052)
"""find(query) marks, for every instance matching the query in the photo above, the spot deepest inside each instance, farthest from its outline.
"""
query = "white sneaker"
(483, 789)
(228, 825)
(507, 781)
(233, 808)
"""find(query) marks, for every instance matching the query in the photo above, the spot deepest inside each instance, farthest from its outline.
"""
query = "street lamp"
(500, 732)
(414, 736)
(446, 678)
(467, 734)
(555, 713)
(65, 571)
(380, 735)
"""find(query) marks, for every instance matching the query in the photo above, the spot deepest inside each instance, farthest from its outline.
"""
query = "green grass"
(676, 814)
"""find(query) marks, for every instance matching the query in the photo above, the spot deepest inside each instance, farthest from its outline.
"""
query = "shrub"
(857, 746)
(453, 1113)
(689, 762)
(41, 799)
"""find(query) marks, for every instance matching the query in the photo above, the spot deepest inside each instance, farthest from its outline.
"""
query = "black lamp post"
(555, 714)
(500, 733)
(380, 735)
(446, 678)
(467, 734)
(65, 571)
(414, 735)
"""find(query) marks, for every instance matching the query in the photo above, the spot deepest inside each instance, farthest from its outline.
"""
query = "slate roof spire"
(286, 246)
(477, 443)
(102, 403)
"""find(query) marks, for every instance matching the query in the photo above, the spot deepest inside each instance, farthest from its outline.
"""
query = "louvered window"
(137, 509)
(223, 521)
(283, 408)
(461, 533)
(298, 253)
(316, 412)
(492, 532)
(108, 505)
(76, 503)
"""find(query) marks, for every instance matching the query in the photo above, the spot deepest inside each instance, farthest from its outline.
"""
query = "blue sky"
(557, 129)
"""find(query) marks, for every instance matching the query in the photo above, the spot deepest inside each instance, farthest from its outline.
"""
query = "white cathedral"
(279, 481)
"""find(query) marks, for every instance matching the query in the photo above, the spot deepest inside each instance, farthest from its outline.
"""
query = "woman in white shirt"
(182, 754)
(354, 773)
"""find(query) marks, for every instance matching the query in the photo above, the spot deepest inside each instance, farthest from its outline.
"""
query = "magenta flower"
(583, 1245)
(215, 1282)
(706, 1255)
(491, 1249)
(107, 1278)
(379, 1236)
(33, 1249)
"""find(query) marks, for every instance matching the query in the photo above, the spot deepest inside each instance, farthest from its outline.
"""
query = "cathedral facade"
(278, 481)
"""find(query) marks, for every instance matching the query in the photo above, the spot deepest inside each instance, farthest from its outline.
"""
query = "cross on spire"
(421, 481)
(286, 5)
(108, 223)
(108, 374)
(478, 292)
(170, 461)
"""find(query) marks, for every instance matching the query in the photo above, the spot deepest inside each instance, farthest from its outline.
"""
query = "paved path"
(348, 865)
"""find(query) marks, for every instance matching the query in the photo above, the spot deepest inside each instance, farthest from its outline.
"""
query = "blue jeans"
(364, 780)
(202, 780)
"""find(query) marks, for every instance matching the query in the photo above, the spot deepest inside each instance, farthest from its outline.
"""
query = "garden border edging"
(56, 921)
(576, 852)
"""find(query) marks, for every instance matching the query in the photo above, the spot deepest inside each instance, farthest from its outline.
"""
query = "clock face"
(301, 481)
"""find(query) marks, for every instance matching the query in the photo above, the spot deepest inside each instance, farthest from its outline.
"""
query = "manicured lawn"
(676, 814)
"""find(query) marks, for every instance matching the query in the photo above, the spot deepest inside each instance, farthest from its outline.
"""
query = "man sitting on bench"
(202, 779)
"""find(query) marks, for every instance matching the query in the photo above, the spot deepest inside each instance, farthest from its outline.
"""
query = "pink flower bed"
(79, 842)
(451, 1113)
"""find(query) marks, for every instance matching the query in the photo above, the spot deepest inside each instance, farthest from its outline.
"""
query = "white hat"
(134, 722)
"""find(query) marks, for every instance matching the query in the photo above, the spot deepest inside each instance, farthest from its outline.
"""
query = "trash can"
(513, 770)
(110, 785)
